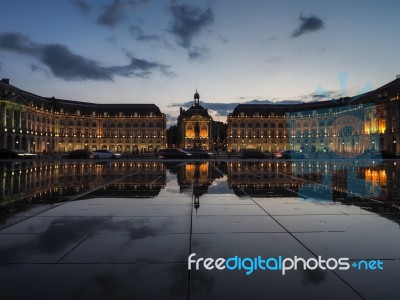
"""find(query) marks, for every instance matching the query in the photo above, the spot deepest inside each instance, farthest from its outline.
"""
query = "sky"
(232, 51)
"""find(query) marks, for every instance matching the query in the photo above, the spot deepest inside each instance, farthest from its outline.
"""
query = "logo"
(279, 263)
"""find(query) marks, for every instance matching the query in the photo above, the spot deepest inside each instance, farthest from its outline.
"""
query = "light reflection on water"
(347, 181)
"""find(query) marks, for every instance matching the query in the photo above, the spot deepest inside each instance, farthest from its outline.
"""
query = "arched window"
(189, 131)
(203, 131)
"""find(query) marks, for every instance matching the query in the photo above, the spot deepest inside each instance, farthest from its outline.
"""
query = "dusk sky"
(138, 51)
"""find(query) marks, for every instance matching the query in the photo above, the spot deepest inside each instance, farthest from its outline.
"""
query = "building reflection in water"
(195, 178)
(51, 181)
(364, 183)
(367, 184)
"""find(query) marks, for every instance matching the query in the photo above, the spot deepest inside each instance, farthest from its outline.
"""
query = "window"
(234, 133)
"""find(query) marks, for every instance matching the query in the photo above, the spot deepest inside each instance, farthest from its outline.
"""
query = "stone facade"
(38, 124)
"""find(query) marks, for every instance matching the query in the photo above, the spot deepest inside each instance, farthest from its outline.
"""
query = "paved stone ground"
(117, 247)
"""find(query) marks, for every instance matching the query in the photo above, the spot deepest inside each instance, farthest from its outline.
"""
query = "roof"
(379, 95)
(10, 92)
(195, 110)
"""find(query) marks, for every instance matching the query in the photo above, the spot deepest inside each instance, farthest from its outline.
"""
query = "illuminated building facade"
(194, 128)
(354, 125)
(38, 124)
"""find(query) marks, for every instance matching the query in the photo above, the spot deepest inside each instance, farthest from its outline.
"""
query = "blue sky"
(147, 51)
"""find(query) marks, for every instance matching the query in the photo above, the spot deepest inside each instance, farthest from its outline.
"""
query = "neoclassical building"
(39, 124)
(370, 121)
(194, 128)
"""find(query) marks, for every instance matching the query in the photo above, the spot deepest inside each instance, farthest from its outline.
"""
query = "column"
(4, 116)
(12, 118)
(20, 119)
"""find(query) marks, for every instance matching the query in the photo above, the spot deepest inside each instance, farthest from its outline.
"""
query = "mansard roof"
(12, 93)
(380, 95)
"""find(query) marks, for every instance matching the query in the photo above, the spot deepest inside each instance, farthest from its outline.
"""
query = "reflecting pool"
(125, 229)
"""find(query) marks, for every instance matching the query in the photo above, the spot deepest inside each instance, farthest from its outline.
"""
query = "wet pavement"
(124, 230)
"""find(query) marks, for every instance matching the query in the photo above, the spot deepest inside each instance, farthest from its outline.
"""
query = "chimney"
(398, 76)
(5, 81)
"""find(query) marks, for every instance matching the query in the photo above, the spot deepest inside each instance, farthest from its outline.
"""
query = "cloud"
(308, 24)
(198, 52)
(82, 6)
(35, 68)
(115, 13)
(65, 64)
(171, 120)
(188, 22)
(138, 34)
(321, 95)
(275, 58)
(223, 39)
